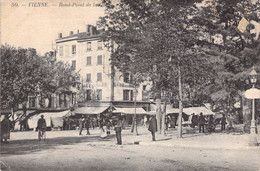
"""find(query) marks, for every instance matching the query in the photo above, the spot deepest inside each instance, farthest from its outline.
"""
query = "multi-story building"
(87, 54)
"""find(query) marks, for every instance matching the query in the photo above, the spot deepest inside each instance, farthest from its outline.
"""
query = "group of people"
(84, 122)
(211, 125)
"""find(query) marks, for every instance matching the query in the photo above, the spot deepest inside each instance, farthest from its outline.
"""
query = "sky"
(38, 27)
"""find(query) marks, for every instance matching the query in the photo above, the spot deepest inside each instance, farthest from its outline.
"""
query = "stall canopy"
(198, 110)
(130, 110)
(169, 110)
(187, 111)
(54, 118)
(91, 110)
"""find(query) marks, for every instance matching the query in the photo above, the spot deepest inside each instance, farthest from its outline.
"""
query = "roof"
(91, 110)
(137, 110)
(81, 36)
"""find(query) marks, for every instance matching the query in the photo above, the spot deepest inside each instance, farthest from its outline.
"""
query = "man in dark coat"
(153, 127)
(5, 129)
(223, 123)
(118, 129)
(41, 126)
(87, 125)
(193, 117)
(202, 122)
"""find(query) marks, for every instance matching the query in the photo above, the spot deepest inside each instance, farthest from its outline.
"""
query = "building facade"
(86, 53)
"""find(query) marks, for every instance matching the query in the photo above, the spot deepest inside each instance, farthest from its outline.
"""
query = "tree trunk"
(50, 101)
(163, 118)
(12, 113)
(179, 135)
(158, 113)
(135, 120)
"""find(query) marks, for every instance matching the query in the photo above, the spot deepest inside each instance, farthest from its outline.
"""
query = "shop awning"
(187, 111)
(91, 110)
(197, 111)
(130, 110)
(20, 112)
(56, 118)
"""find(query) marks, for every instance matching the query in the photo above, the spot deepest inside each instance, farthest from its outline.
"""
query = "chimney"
(91, 30)
(78, 31)
(71, 32)
(94, 30)
(60, 35)
(88, 29)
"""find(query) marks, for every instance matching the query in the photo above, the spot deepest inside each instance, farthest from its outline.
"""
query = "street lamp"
(135, 119)
(253, 138)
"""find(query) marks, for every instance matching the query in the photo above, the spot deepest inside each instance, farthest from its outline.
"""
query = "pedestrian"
(167, 121)
(230, 122)
(153, 127)
(202, 122)
(145, 121)
(87, 125)
(118, 130)
(193, 118)
(81, 125)
(41, 127)
(93, 122)
(211, 125)
(223, 122)
(5, 129)
(173, 121)
(103, 128)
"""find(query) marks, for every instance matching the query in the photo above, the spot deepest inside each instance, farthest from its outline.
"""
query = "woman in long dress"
(5, 129)
(103, 129)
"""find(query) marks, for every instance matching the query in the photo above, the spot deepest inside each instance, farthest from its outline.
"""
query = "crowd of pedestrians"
(104, 124)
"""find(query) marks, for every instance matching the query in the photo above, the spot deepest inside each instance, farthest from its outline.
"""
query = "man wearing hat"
(153, 126)
(41, 126)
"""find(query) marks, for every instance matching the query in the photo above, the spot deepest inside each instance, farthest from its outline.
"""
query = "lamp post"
(253, 138)
(135, 120)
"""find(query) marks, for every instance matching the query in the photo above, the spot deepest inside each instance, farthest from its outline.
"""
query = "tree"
(17, 75)
(154, 40)
(24, 73)
(233, 44)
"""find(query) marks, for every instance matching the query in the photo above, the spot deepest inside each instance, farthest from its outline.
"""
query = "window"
(73, 49)
(88, 46)
(88, 77)
(127, 77)
(144, 87)
(99, 45)
(61, 50)
(99, 94)
(128, 95)
(88, 93)
(89, 60)
(73, 66)
(66, 50)
(99, 60)
(99, 76)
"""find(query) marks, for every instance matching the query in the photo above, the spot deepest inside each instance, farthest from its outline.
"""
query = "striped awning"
(93, 110)
(132, 111)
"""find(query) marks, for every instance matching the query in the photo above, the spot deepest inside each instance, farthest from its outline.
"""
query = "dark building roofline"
(82, 36)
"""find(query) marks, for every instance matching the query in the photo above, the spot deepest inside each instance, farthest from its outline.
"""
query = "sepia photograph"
(138, 85)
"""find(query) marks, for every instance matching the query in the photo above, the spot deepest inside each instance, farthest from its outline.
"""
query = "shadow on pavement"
(22, 147)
